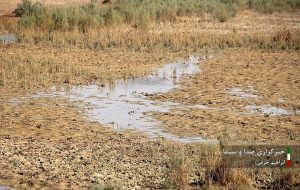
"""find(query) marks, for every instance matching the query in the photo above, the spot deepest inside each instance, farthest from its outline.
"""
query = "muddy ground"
(272, 79)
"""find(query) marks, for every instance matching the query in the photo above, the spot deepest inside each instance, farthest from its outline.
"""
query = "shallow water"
(238, 92)
(267, 110)
(2, 187)
(254, 109)
(122, 104)
(8, 38)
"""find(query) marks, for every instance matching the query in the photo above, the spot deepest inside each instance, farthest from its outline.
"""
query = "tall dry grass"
(216, 172)
(152, 40)
(177, 173)
(29, 73)
(204, 170)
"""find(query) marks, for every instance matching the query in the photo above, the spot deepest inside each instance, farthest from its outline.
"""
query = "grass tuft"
(2, 78)
(106, 187)
(177, 172)
(216, 172)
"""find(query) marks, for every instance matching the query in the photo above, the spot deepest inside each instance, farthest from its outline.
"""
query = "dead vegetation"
(201, 167)
(54, 66)
(139, 40)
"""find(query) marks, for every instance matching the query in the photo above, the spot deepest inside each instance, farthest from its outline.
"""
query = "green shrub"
(27, 8)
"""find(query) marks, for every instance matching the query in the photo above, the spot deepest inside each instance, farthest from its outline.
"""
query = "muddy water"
(122, 104)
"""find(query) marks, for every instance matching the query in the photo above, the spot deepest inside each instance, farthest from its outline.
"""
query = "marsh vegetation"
(132, 23)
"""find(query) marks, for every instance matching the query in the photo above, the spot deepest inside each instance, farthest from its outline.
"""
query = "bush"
(27, 8)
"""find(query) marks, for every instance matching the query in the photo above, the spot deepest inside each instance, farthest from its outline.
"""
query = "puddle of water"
(122, 104)
(2, 187)
(14, 102)
(281, 100)
(268, 110)
(263, 109)
(238, 92)
(8, 38)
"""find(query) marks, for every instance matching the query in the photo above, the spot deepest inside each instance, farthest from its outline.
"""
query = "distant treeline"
(138, 13)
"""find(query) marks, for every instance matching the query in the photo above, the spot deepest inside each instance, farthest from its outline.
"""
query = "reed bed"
(127, 23)
(136, 13)
(150, 41)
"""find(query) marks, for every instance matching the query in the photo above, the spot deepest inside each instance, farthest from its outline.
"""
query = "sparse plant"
(269, 6)
(106, 187)
(24, 8)
(177, 172)
(221, 14)
(285, 179)
(1, 78)
(106, 2)
(216, 171)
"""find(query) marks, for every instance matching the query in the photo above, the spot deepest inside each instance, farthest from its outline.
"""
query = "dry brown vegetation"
(22, 69)
(247, 29)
